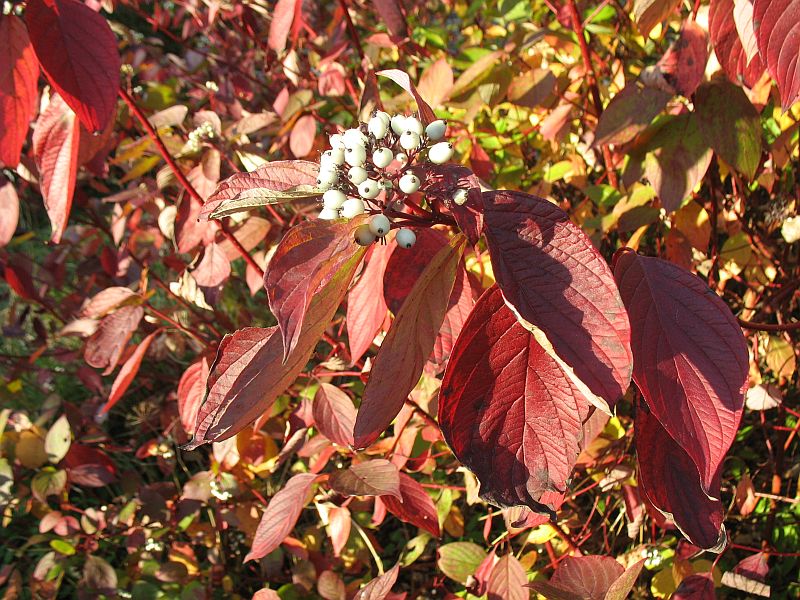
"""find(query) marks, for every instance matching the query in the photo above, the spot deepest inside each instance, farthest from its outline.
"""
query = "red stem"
(769, 326)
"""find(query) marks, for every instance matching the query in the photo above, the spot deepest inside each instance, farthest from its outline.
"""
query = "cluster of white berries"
(378, 157)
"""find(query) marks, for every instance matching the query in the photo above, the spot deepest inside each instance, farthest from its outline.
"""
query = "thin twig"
(769, 326)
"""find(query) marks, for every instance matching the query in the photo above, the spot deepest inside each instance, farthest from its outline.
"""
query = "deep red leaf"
(403, 269)
(402, 79)
(78, 53)
(558, 282)
(690, 357)
(301, 140)
(728, 45)
(281, 24)
(377, 477)
(105, 346)
(306, 259)
(380, 587)
(669, 479)
(408, 345)
(282, 512)
(366, 306)
(444, 180)
(214, 268)
(462, 300)
(109, 299)
(391, 14)
(56, 140)
(777, 27)
(9, 210)
(684, 63)
(508, 410)
(191, 389)
(279, 175)
(415, 507)
(19, 72)
(695, 587)
(334, 414)
(88, 466)
(507, 580)
(128, 372)
(480, 162)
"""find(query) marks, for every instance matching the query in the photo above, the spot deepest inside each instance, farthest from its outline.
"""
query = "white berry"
(413, 124)
(335, 157)
(327, 178)
(377, 127)
(440, 153)
(328, 214)
(355, 156)
(382, 157)
(353, 138)
(460, 196)
(353, 207)
(383, 116)
(436, 130)
(398, 123)
(364, 237)
(369, 189)
(379, 225)
(405, 238)
(357, 174)
(409, 183)
(333, 199)
(409, 140)
(337, 143)
(401, 157)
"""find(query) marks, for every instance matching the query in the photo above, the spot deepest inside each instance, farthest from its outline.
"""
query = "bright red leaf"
(777, 27)
(684, 63)
(88, 466)
(557, 281)
(191, 389)
(282, 512)
(462, 300)
(366, 306)
(415, 506)
(728, 45)
(408, 345)
(508, 410)
(690, 357)
(19, 73)
(403, 269)
(334, 414)
(78, 53)
(128, 372)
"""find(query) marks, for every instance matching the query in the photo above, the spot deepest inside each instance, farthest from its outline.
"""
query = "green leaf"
(256, 197)
(58, 440)
(48, 482)
(459, 560)
(62, 547)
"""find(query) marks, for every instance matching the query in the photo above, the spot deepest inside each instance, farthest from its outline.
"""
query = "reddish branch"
(769, 326)
(351, 29)
(185, 183)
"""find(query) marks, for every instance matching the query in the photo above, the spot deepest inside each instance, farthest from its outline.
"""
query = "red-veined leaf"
(649, 13)
(391, 14)
(403, 269)
(408, 345)
(558, 282)
(690, 357)
(728, 45)
(462, 300)
(78, 53)
(436, 82)
(334, 414)
(306, 259)
(277, 176)
(214, 268)
(684, 63)
(366, 307)
(9, 210)
(128, 372)
(507, 580)
(301, 140)
(105, 346)
(281, 24)
(377, 477)
(695, 587)
(415, 506)
(669, 479)
(629, 113)
(777, 27)
(249, 371)
(19, 73)
(191, 389)
(508, 410)
(402, 79)
(380, 587)
(56, 139)
(282, 512)
(109, 299)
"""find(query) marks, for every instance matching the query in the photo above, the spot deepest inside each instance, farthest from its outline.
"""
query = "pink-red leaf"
(301, 140)
(557, 281)
(415, 506)
(380, 587)
(402, 79)
(366, 306)
(277, 176)
(105, 346)
(78, 53)
(282, 512)
(587, 577)
(403, 269)
(684, 63)
(214, 268)
(334, 414)
(508, 410)
(507, 580)
(339, 522)
(109, 299)
(462, 300)
(281, 24)
(9, 210)
(728, 45)
(436, 82)
(777, 27)
(690, 357)
(127, 373)
(377, 477)
(306, 259)
(408, 345)
(191, 390)
(56, 140)
(19, 72)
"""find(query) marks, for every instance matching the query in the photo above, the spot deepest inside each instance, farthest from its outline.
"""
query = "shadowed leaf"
(377, 477)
